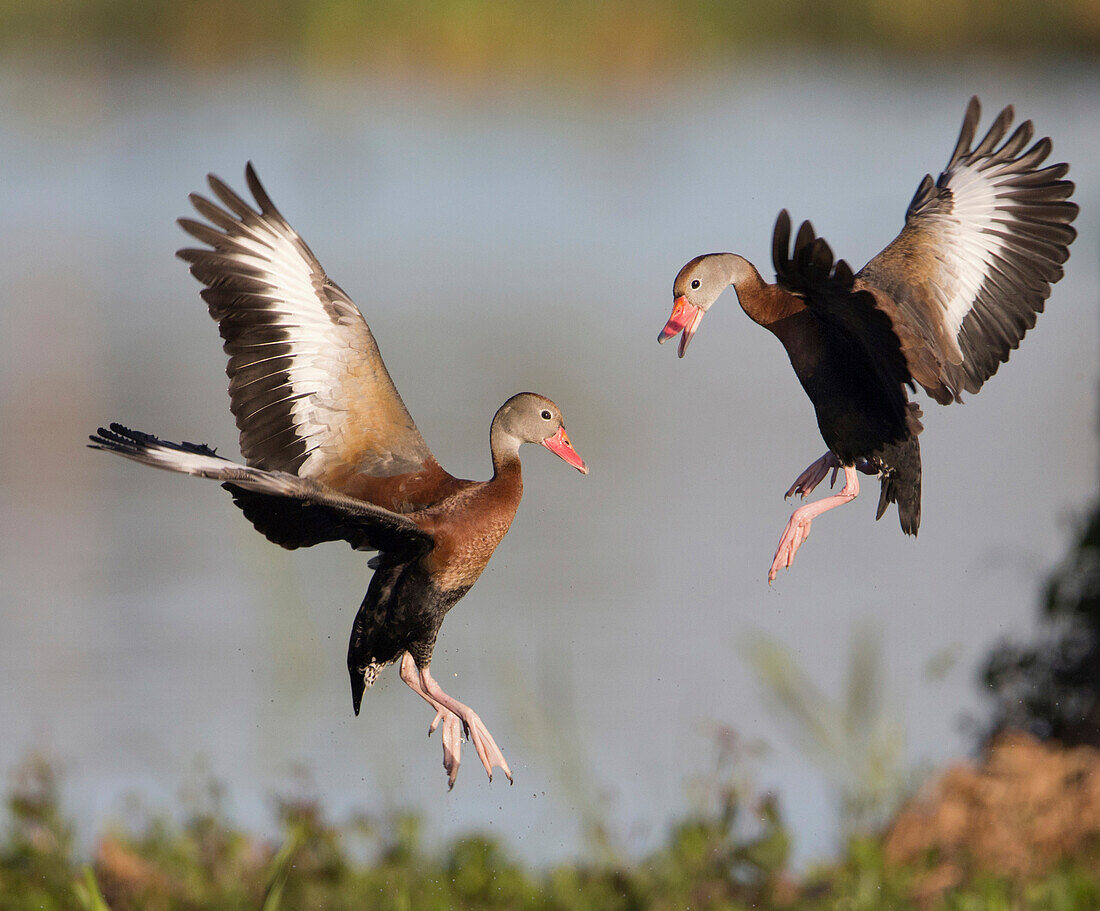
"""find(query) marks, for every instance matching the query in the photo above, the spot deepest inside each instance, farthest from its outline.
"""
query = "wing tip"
(781, 240)
(258, 192)
(966, 132)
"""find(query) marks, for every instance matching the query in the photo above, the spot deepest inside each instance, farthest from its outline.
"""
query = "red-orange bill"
(685, 318)
(561, 447)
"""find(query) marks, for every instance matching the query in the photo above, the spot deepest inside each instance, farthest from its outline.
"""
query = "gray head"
(697, 286)
(532, 418)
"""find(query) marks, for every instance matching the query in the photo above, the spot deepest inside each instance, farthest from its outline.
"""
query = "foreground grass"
(730, 854)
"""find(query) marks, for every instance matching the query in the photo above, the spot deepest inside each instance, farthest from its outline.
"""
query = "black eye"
(695, 283)
(546, 415)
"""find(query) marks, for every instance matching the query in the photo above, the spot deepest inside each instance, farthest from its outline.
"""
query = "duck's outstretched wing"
(980, 249)
(307, 384)
(288, 509)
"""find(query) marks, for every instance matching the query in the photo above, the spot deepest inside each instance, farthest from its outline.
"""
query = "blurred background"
(507, 190)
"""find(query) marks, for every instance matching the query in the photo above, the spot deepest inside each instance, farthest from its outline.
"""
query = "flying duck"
(943, 305)
(332, 454)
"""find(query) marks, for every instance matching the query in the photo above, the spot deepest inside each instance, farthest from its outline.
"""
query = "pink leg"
(452, 724)
(814, 475)
(486, 747)
(798, 526)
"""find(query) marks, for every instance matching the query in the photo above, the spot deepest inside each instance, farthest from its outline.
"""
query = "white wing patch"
(969, 251)
(316, 344)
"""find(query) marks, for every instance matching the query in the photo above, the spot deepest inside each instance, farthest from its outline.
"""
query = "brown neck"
(765, 304)
(506, 466)
(504, 449)
(506, 486)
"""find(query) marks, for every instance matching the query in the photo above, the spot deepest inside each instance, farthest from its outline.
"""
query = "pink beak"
(561, 447)
(685, 318)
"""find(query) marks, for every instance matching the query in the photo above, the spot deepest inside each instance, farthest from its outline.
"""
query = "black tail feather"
(369, 648)
(907, 495)
(120, 438)
(901, 481)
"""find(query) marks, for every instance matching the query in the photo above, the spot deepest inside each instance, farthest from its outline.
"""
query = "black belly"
(863, 418)
(401, 612)
(859, 415)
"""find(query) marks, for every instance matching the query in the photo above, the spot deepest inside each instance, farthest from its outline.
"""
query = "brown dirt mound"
(1024, 808)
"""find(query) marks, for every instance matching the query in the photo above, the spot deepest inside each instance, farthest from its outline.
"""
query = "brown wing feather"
(982, 245)
(307, 384)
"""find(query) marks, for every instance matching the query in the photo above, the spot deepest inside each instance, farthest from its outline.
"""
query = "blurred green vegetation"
(858, 741)
(729, 853)
(1017, 831)
(478, 38)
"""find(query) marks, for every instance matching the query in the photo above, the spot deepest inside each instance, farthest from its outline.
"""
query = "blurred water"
(499, 242)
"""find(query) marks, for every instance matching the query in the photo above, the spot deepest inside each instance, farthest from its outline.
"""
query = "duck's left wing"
(980, 249)
(307, 384)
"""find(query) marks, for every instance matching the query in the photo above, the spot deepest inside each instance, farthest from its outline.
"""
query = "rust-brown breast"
(468, 526)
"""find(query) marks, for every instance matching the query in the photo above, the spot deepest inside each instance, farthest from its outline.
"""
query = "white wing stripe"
(989, 216)
(974, 202)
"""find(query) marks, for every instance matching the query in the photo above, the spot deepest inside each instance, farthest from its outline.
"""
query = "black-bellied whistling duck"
(332, 454)
(942, 305)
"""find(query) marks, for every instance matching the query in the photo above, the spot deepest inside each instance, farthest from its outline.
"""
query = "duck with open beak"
(694, 290)
(941, 307)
